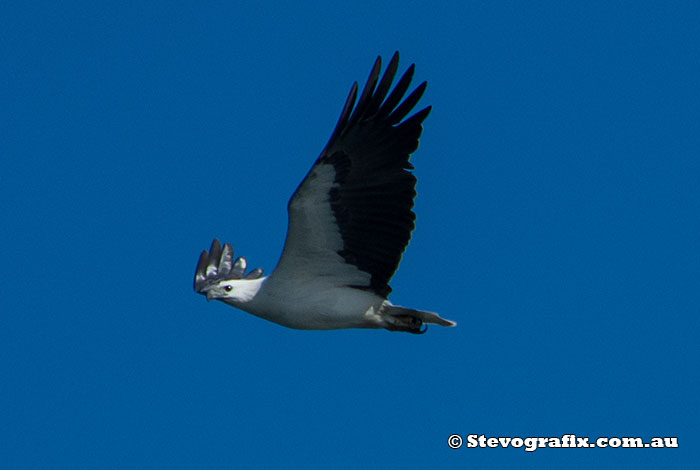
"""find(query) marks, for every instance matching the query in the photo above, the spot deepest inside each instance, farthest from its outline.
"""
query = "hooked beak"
(209, 292)
(213, 292)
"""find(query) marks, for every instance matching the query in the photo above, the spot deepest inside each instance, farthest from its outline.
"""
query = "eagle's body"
(350, 220)
(313, 305)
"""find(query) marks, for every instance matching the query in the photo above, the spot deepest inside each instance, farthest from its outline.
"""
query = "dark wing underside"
(355, 204)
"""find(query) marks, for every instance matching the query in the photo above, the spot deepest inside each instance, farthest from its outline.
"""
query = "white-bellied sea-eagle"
(350, 220)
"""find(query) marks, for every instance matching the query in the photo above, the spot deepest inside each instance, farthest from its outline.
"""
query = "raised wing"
(218, 264)
(350, 219)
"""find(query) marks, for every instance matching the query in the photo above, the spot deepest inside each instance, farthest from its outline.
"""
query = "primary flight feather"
(350, 220)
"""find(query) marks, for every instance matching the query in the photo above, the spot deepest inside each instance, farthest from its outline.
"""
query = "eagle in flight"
(350, 220)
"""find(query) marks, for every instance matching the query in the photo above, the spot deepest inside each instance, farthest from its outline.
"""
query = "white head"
(233, 291)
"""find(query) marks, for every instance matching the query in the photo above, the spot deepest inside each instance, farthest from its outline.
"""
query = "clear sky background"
(558, 222)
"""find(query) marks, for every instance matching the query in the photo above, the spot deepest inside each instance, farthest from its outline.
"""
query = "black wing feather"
(384, 85)
(372, 199)
(364, 100)
(345, 114)
(399, 90)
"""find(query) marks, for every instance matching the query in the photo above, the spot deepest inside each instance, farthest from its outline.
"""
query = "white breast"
(315, 305)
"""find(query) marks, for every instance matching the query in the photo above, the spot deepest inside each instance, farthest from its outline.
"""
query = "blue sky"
(558, 222)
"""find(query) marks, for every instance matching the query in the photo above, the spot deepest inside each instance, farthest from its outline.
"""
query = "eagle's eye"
(228, 288)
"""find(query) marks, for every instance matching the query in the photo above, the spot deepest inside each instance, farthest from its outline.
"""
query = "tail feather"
(409, 320)
(431, 317)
